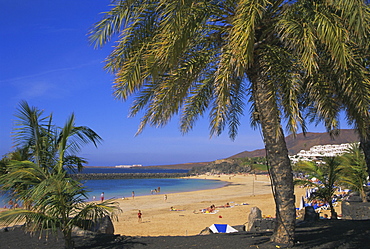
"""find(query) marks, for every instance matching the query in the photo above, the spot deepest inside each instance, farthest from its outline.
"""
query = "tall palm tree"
(354, 170)
(52, 199)
(327, 173)
(199, 57)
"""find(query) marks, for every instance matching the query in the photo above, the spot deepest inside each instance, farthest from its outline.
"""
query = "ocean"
(119, 188)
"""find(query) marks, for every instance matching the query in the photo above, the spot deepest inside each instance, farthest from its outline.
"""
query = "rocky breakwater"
(104, 176)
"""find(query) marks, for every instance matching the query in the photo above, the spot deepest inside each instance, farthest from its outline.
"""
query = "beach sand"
(242, 193)
(162, 228)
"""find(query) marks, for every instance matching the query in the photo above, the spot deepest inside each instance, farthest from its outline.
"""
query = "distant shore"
(104, 176)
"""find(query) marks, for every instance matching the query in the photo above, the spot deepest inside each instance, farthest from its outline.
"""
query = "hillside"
(305, 142)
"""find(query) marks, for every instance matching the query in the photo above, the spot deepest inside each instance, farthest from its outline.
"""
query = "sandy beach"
(242, 193)
(162, 228)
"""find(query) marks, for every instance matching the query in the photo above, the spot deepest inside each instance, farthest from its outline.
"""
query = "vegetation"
(229, 166)
(52, 199)
(327, 174)
(354, 171)
(232, 166)
(348, 170)
(201, 57)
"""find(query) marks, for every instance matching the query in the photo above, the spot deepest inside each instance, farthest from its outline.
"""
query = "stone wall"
(260, 225)
(355, 210)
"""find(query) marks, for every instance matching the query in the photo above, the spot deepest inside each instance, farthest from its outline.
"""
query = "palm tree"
(199, 57)
(52, 199)
(327, 174)
(354, 170)
(48, 146)
(365, 145)
(58, 202)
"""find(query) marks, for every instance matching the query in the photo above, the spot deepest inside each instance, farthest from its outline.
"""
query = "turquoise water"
(118, 188)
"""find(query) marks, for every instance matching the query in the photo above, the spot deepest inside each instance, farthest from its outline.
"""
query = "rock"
(260, 225)
(355, 210)
(240, 228)
(253, 215)
(354, 198)
(310, 215)
(104, 225)
(205, 231)
(77, 231)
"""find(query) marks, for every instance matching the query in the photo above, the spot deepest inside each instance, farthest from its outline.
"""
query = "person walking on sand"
(102, 197)
(133, 194)
(165, 198)
(139, 214)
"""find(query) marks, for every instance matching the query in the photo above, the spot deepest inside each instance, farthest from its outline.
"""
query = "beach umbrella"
(222, 228)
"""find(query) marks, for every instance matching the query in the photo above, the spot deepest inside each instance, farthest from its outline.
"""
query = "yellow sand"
(158, 220)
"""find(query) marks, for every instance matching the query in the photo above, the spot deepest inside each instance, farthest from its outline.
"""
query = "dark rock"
(310, 214)
(76, 231)
(354, 198)
(240, 228)
(104, 225)
(262, 225)
(355, 210)
(205, 231)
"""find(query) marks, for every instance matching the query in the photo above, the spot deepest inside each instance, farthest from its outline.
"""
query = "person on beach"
(139, 214)
(159, 189)
(133, 194)
(102, 197)
(165, 198)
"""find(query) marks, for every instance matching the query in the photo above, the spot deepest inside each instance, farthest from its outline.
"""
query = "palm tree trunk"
(333, 214)
(277, 157)
(68, 242)
(365, 145)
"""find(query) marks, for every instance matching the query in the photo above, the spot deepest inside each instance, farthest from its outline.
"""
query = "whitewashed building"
(319, 151)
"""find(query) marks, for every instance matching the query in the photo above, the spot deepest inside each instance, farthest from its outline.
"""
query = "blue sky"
(45, 59)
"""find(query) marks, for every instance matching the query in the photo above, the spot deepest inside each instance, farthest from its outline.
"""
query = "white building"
(319, 151)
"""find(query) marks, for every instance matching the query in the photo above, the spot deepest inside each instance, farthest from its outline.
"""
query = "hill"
(306, 141)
